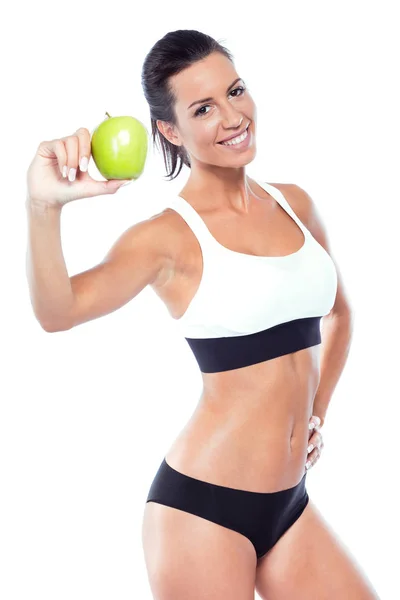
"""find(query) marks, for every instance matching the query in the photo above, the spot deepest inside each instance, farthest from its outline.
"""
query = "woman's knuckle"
(59, 145)
(84, 136)
(71, 139)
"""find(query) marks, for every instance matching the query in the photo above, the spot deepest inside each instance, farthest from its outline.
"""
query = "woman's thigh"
(190, 558)
(309, 561)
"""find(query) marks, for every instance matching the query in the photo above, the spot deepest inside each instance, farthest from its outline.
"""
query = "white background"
(88, 414)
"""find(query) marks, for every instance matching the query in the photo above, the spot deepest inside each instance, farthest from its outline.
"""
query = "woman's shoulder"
(171, 232)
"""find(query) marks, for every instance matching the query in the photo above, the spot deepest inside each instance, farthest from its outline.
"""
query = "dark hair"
(171, 54)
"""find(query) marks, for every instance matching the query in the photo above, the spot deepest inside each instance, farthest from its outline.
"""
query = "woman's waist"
(256, 450)
(275, 413)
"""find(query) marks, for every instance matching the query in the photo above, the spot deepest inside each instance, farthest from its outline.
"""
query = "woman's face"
(202, 125)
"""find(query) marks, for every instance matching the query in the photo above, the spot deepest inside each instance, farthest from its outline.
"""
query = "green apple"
(119, 147)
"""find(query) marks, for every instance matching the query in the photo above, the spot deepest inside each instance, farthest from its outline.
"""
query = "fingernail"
(127, 182)
(310, 447)
(308, 464)
(71, 174)
(83, 165)
(64, 171)
(311, 425)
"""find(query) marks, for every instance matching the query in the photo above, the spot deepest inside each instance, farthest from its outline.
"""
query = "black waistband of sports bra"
(227, 353)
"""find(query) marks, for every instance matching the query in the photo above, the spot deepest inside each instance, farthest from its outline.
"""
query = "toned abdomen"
(250, 428)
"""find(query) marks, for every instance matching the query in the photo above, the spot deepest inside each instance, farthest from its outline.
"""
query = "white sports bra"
(248, 309)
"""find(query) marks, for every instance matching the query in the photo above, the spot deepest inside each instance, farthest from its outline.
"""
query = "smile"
(241, 141)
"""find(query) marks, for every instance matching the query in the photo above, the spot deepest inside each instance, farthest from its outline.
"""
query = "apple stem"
(108, 115)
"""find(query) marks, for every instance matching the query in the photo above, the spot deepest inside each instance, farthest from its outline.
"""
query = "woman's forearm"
(336, 341)
(49, 283)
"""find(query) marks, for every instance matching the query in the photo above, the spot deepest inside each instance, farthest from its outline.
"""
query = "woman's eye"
(198, 113)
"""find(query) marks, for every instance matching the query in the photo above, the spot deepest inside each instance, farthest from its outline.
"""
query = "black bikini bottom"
(263, 517)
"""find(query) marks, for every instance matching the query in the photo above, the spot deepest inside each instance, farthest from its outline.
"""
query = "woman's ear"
(168, 131)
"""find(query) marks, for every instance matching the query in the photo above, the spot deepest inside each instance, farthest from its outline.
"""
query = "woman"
(244, 268)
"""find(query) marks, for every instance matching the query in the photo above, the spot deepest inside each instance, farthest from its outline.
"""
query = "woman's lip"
(237, 135)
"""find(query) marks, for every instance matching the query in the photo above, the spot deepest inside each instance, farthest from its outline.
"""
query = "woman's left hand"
(315, 442)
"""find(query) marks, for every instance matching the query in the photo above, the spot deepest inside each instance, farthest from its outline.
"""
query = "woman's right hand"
(46, 184)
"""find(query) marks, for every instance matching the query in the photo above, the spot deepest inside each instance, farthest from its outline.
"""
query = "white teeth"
(236, 140)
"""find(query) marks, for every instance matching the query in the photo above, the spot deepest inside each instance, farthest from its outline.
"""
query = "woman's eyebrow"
(207, 99)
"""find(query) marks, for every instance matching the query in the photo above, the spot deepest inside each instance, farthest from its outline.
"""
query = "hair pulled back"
(173, 53)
